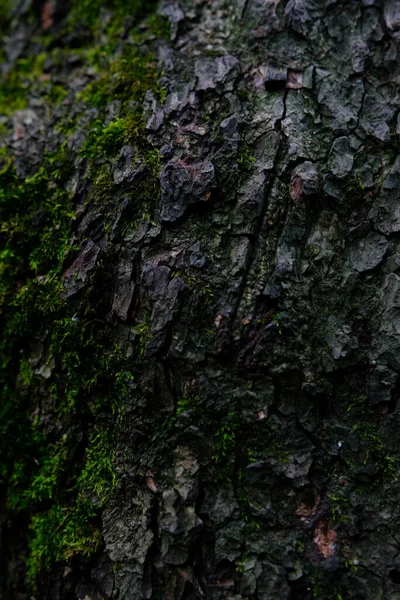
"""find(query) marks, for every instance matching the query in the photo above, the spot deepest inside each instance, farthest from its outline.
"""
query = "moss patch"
(64, 383)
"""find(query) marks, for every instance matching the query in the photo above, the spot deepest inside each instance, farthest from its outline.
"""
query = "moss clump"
(5, 7)
(98, 475)
(58, 534)
(353, 188)
(90, 381)
(72, 523)
(365, 426)
(88, 13)
(103, 140)
(226, 437)
(126, 77)
(45, 479)
(338, 507)
(59, 469)
(143, 198)
(245, 159)
(196, 284)
(375, 452)
(35, 217)
(187, 403)
(16, 84)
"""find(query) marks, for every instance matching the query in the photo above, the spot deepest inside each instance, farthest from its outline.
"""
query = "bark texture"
(200, 288)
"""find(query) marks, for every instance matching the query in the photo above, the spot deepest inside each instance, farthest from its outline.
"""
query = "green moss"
(5, 7)
(44, 477)
(241, 564)
(61, 480)
(375, 452)
(225, 437)
(187, 403)
(338, 507)
(126, 77)
(87, 375)
(31, 256)
(143, 331)
(243, 95)
(30, 259)
(88, 13)
(354, 187)
(103, 140)
(245, 159)
(90, 369)
(98, 475)
(55, 94)
(354, 193)
(57, 535)
(27, 249)
(159, 27)
(17, 83)
(276, 319)
(196, 284)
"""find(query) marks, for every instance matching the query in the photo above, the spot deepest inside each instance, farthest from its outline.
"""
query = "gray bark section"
(274, 293)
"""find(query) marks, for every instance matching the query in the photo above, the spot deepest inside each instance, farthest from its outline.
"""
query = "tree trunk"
(200, 300)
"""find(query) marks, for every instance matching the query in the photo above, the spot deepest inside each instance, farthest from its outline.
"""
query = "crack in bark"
(260, 219)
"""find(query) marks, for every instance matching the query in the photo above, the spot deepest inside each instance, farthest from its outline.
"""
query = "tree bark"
(200, 300)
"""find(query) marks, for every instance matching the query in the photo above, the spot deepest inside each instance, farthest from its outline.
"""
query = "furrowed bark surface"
(200, 287)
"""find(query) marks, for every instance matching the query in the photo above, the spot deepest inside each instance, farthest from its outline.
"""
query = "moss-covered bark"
(198, 300)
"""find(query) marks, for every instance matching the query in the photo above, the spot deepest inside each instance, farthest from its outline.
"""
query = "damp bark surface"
(200, 300)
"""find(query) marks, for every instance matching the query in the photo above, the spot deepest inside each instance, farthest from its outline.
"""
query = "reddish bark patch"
(296, 188)
(294, 80)
(150, 482)
(218, 320)
(325, 540)
(47, 15)
(381, 409)
(18, 132)
(225, 582)
(307, 508)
